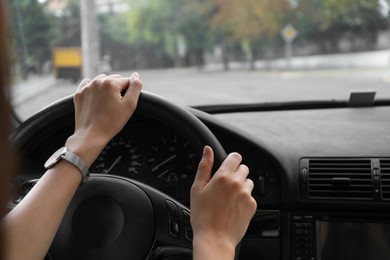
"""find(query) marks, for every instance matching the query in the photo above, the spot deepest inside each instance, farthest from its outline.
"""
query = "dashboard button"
(174, 228)
(187, 222)
(172, 209)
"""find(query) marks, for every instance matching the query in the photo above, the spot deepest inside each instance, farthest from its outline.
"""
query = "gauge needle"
(113, 164)
(164, 162)
(162, 174)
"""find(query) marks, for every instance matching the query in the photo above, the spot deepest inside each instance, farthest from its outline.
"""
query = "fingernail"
(205, 151)
(135, 75)
(137, 82)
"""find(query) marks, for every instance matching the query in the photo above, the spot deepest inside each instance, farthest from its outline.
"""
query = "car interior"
(321, 170)
(321, 175)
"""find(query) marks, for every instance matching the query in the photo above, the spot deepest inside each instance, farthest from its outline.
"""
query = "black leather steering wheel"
(112, 217)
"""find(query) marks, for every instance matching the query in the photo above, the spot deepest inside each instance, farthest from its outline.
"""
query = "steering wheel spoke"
(173, 227)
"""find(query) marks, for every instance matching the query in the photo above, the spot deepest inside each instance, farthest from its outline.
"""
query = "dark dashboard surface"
(321, 132)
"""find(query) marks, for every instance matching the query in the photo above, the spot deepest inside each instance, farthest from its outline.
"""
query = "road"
(195, 87)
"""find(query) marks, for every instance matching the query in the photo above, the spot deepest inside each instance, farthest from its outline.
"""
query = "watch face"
(55, 157)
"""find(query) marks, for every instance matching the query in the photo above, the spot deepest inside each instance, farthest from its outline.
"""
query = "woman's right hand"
(221, 206)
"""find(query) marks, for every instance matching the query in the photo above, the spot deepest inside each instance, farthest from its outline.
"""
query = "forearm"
(30, 227)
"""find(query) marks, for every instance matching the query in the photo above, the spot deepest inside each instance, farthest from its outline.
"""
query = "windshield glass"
(202, 52)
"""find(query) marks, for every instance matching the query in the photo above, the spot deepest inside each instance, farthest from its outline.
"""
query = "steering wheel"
(112, 217)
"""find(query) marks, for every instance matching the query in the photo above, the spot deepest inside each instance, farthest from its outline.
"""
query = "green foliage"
(69, 25)
(156, 22)
(115, 27)
(152, 29)
(33, 32)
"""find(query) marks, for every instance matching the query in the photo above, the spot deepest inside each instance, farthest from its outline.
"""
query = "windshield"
(202, 52)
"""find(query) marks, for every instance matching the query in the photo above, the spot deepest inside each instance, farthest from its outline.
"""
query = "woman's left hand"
(102, 107)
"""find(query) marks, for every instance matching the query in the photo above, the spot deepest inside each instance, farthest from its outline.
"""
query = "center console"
(332, 236)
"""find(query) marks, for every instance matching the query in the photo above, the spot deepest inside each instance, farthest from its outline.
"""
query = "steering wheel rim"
(158, 205)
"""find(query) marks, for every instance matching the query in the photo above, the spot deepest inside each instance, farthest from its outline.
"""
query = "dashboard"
(333, 167)
(152, 153)
(322, 176)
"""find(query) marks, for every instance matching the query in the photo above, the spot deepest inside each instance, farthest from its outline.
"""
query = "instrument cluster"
(154, 154)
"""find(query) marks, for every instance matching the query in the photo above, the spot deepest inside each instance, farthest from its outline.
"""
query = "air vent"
(340, 178)
(385, 178)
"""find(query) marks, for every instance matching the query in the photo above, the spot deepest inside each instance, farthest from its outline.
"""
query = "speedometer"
(172, 158)
(120, 157)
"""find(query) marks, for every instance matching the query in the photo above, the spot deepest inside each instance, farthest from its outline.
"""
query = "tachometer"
(173, 159)
(120, 157)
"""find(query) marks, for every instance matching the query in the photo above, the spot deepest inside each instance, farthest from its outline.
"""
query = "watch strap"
(79, 163)
(74, 159)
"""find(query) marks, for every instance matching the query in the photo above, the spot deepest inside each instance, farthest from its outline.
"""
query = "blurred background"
(58, 42)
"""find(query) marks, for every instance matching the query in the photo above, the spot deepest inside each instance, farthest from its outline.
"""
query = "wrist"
(208, 246)
(86, 145)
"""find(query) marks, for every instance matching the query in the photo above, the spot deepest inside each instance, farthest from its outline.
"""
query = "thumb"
(203, 174)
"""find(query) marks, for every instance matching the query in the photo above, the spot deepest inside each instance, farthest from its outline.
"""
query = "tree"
(193, 23)
(151, 30)
(249, 22)
(69, 26)
(327, 21)
(33, 33)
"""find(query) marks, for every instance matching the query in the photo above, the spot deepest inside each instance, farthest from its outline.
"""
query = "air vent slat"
(327, 181)
(313, 174)
(331, 185)
(341, 171)
(340, 178)
(385, 178)
(328, 195)
(342, 192)
(339, 166)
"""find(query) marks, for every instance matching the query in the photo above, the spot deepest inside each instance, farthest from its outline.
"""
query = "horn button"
(107, 218)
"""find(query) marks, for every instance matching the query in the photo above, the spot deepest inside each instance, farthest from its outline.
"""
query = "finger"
(134, 75)
(96, 79)
(231, 163)
(117, 83)
(203, 174)
(115, 76)
(100, 76)
(248, 185)
(83, 84)
(133, 90)
(242, 172)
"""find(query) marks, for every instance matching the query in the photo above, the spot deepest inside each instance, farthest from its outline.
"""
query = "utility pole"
(289, 34)
(89, 38)
(23, 40)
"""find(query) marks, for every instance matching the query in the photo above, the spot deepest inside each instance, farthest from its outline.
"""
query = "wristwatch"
(63, 153)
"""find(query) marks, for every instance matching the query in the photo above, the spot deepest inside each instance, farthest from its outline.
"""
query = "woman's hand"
(221, 206)
(102, 107)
